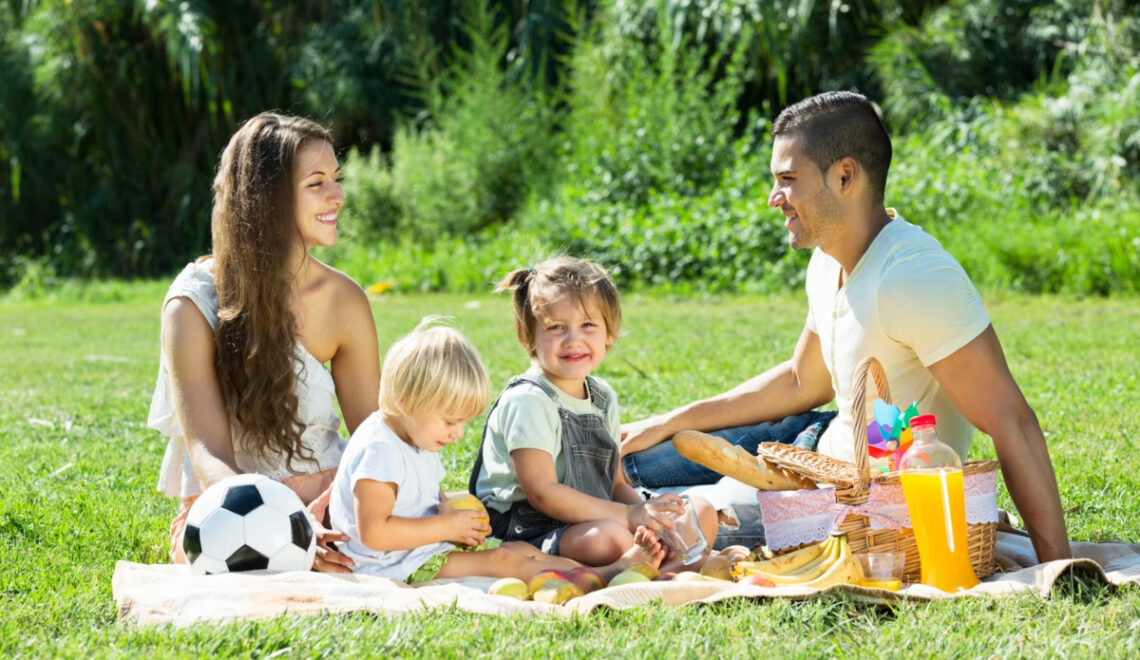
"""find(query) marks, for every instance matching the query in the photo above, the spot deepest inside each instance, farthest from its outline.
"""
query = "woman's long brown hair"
(255, 240)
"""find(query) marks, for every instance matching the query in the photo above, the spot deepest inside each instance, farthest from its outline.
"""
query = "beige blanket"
(165, 593)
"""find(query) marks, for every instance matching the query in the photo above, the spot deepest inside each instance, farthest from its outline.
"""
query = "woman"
(246, 331)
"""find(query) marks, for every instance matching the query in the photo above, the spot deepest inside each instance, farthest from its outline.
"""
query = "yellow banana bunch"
(779, 565)
(818, 566)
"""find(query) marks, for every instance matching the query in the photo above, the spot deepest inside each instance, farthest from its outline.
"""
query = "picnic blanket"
(157, 594)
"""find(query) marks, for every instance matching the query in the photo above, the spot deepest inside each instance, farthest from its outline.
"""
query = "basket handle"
(869, 367)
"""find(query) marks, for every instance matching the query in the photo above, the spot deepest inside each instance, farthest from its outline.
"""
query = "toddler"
(386, 495)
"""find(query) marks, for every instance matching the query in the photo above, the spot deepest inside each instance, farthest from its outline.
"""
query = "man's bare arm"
(978, 381)
(793, 387)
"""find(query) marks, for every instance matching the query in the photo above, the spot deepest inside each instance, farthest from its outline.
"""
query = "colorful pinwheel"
(889, 433)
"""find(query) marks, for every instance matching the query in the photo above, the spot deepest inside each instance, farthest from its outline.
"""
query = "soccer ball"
(248, 522)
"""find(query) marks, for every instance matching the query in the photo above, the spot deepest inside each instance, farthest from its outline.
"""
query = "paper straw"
(946, 510)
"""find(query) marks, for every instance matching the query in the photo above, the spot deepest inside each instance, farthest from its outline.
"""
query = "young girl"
(547, 466)
(387, 497)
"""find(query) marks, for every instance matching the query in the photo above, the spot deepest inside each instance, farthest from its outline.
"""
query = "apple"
(645, 569)
(510, 587)
(586, 578)
(556, 591)
(542, 576)
(718, 566)
(757, 580)
(628, 576)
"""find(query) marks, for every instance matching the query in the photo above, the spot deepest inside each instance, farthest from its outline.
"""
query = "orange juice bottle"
(931, 476)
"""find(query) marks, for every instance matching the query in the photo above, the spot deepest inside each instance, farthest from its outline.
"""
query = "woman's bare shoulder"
(336, 288)
(340, 305)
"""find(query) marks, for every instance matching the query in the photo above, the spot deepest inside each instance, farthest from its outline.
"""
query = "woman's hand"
(466, 527)
(328, 560)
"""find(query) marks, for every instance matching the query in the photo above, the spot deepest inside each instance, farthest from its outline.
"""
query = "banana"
(845, 569)
(816, 569)
(809, 571)
(784, 564)
(834, 564)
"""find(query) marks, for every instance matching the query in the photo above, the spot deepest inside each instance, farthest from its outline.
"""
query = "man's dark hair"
(833, 125)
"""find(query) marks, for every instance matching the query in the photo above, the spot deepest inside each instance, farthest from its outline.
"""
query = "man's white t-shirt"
(525, 417)
(907, 303)
(376, 452)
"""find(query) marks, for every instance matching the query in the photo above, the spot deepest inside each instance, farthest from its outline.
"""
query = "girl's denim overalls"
(591, 456)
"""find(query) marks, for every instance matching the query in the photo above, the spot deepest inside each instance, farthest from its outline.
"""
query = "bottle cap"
(923, 420)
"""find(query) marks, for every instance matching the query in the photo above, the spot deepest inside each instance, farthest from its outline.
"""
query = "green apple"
(645, 569)
(628, 576)
(510, 587)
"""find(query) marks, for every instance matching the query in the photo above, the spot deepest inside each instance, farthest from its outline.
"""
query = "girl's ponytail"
(515, 280)
(518, 283)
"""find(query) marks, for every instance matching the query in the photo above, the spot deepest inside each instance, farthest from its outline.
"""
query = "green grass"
(77, 488)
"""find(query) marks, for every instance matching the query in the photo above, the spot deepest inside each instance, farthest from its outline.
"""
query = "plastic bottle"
(932, 482)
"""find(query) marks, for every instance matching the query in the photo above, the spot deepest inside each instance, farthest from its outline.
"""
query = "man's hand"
(643, 434)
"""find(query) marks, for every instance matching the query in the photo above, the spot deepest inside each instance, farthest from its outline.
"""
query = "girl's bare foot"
(647, 549)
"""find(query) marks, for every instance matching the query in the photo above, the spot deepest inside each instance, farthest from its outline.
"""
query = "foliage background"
(480, 136)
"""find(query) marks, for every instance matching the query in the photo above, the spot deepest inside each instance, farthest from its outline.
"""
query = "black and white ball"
(248, 522)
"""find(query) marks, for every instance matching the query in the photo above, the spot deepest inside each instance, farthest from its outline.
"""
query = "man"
(877, 286)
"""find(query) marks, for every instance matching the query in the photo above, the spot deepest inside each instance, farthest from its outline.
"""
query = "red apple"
(556, 591)
(757, 580)
(586, 578)
(542, 576)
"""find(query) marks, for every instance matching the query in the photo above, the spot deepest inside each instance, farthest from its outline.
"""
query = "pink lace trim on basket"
(797, 517)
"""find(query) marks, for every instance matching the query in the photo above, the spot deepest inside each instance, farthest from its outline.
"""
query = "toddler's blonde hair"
(434, 368)
(553, 280)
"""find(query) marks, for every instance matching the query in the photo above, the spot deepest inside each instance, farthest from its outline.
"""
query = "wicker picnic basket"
(852, 484)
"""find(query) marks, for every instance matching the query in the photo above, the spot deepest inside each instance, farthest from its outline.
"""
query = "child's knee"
(707, 516)
(521, 548)
(602, 542)
(612, 538)
(506, 558)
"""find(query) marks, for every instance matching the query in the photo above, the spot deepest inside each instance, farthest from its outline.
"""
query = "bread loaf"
(719, 456)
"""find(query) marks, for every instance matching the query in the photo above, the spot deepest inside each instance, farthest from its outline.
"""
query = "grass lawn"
(78, 468)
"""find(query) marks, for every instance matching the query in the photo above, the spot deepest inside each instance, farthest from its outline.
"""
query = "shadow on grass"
(1083, 585)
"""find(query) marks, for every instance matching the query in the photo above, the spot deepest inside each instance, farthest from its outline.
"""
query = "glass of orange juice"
(882, 570)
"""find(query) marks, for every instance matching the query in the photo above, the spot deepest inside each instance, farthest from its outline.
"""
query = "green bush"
(484, 146)
(725, 240)
(651, 114)
(114, 112)
(967, 49)
(471, 265)
(1041, 195)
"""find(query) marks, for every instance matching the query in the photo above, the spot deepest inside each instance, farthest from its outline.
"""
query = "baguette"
(719, 456)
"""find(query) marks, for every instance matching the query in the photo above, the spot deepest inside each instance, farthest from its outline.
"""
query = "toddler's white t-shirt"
(376, 452)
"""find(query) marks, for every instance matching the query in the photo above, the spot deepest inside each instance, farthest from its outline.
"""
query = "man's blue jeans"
(661, 469)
